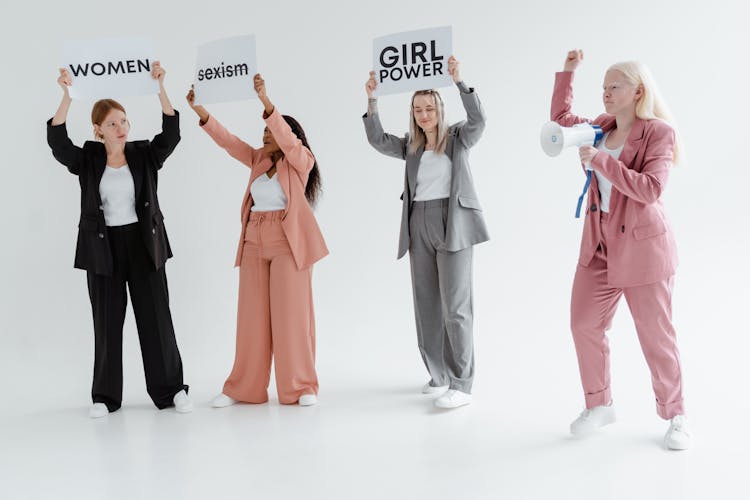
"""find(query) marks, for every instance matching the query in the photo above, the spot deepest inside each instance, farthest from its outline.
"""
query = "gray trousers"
(442, 285)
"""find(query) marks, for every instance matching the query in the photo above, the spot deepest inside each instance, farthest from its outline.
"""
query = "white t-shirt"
(117, 192)
(267, 194)
(605, 187)
(433, 177)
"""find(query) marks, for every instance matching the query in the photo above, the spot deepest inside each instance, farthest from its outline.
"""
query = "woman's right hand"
(573, 59)
(64, 81)
(199, 110)
(371, 85)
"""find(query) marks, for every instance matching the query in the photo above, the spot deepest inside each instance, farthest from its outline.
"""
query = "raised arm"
(388, 144)
(63, 148)
(470, 131)
(562, 95)
(236, 147)
(164, 143)
(299, 157)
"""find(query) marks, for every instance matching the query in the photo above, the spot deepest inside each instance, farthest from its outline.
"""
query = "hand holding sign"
(260, 87)
(453, 69)
(64, 81)
(157, 72)
(199, 110)
(371, 85)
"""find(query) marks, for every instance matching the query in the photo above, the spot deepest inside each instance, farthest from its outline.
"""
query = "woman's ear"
(98, 132)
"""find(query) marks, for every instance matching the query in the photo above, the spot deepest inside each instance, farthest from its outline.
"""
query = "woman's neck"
(430, 139)
(625, 121)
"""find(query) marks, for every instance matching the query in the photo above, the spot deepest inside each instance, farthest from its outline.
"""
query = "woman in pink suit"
(628, 247)
(279, 243)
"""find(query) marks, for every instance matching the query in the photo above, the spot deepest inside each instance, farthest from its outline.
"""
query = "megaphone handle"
(585, 190)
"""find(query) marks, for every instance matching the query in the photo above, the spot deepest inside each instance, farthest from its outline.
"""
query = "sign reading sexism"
(224, 70)
(412, 60)
(110, 67)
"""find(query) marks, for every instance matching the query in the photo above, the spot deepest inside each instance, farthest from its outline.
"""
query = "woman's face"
(425, 112)
(619, 96)
(270, 145)
(114, 129)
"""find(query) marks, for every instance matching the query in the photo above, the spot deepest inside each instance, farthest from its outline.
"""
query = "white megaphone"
(554, 137)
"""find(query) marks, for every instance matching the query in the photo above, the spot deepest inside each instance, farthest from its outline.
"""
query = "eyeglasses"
(111, 125)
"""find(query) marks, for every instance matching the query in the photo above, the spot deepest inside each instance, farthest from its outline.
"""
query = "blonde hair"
(651, 105)
(417, 137)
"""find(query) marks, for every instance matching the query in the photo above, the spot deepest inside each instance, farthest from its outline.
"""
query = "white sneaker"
(182, 403)
(222, 401)
(432, 389)
(308, 400)
(453, 399)
(592, 418)
(98, 410)
(678, 435)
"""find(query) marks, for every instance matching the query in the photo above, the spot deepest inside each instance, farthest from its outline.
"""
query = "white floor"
(370, 437)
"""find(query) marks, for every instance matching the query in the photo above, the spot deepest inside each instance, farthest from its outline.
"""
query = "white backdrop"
(315, 58)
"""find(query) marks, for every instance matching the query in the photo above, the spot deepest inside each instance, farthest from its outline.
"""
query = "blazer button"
(593, 207)
(101, 207)
(146, 204)
(153, 230)
(101, 235)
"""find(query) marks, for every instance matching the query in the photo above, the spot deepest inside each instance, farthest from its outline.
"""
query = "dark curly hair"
(313, 187)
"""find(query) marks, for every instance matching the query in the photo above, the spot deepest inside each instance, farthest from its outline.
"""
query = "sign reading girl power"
(110, 67)
(224, 70)
(413, 60)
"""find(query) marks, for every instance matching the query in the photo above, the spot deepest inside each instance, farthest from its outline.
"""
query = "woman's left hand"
(157, 72)
(587, 153)
(260, 86)
(453, 69)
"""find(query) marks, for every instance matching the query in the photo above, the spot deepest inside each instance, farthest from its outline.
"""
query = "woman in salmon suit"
(279, 243)
(628, 247)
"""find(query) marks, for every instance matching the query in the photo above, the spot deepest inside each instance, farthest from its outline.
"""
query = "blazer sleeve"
(470, 131)
(385, 143)
(296, 154)
(647, 185)
(163, 143)
(63, 148)
(237, 148)
(562, 100)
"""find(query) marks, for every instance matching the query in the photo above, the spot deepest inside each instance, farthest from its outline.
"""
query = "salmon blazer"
(299, 224)
(465, 225)
(641, 246)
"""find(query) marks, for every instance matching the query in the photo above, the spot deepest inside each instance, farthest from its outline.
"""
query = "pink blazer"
(643, 248)
(299, 224)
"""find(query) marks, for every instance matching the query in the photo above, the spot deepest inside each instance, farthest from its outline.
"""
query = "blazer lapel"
(412, 168)
(633, 142)
(136, 168)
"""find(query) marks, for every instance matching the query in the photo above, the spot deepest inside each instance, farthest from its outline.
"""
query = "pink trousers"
(275, 318)
(592, 308)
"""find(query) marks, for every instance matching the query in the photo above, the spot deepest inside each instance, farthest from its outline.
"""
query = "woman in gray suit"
(441, 221)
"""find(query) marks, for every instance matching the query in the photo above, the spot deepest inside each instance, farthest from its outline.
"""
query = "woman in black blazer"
(121, 239)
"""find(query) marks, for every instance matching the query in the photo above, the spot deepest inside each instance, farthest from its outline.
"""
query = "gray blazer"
(465, 225)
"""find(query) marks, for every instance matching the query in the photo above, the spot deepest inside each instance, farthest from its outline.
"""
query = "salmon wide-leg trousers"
(593, 306)
(275, 318)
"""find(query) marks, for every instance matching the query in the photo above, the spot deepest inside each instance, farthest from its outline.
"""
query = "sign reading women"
(412, 60)
(224, 70)
(110, 67)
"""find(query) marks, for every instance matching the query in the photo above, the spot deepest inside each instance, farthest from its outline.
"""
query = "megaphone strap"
(585, 190)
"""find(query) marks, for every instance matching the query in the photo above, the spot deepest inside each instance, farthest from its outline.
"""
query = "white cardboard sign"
(412, 60)
(110, 67)
(224, 70)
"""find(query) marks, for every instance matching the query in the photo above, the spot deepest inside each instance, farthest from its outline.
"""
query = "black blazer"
(144, 159)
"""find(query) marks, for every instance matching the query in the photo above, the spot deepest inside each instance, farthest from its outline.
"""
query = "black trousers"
(148, 291)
